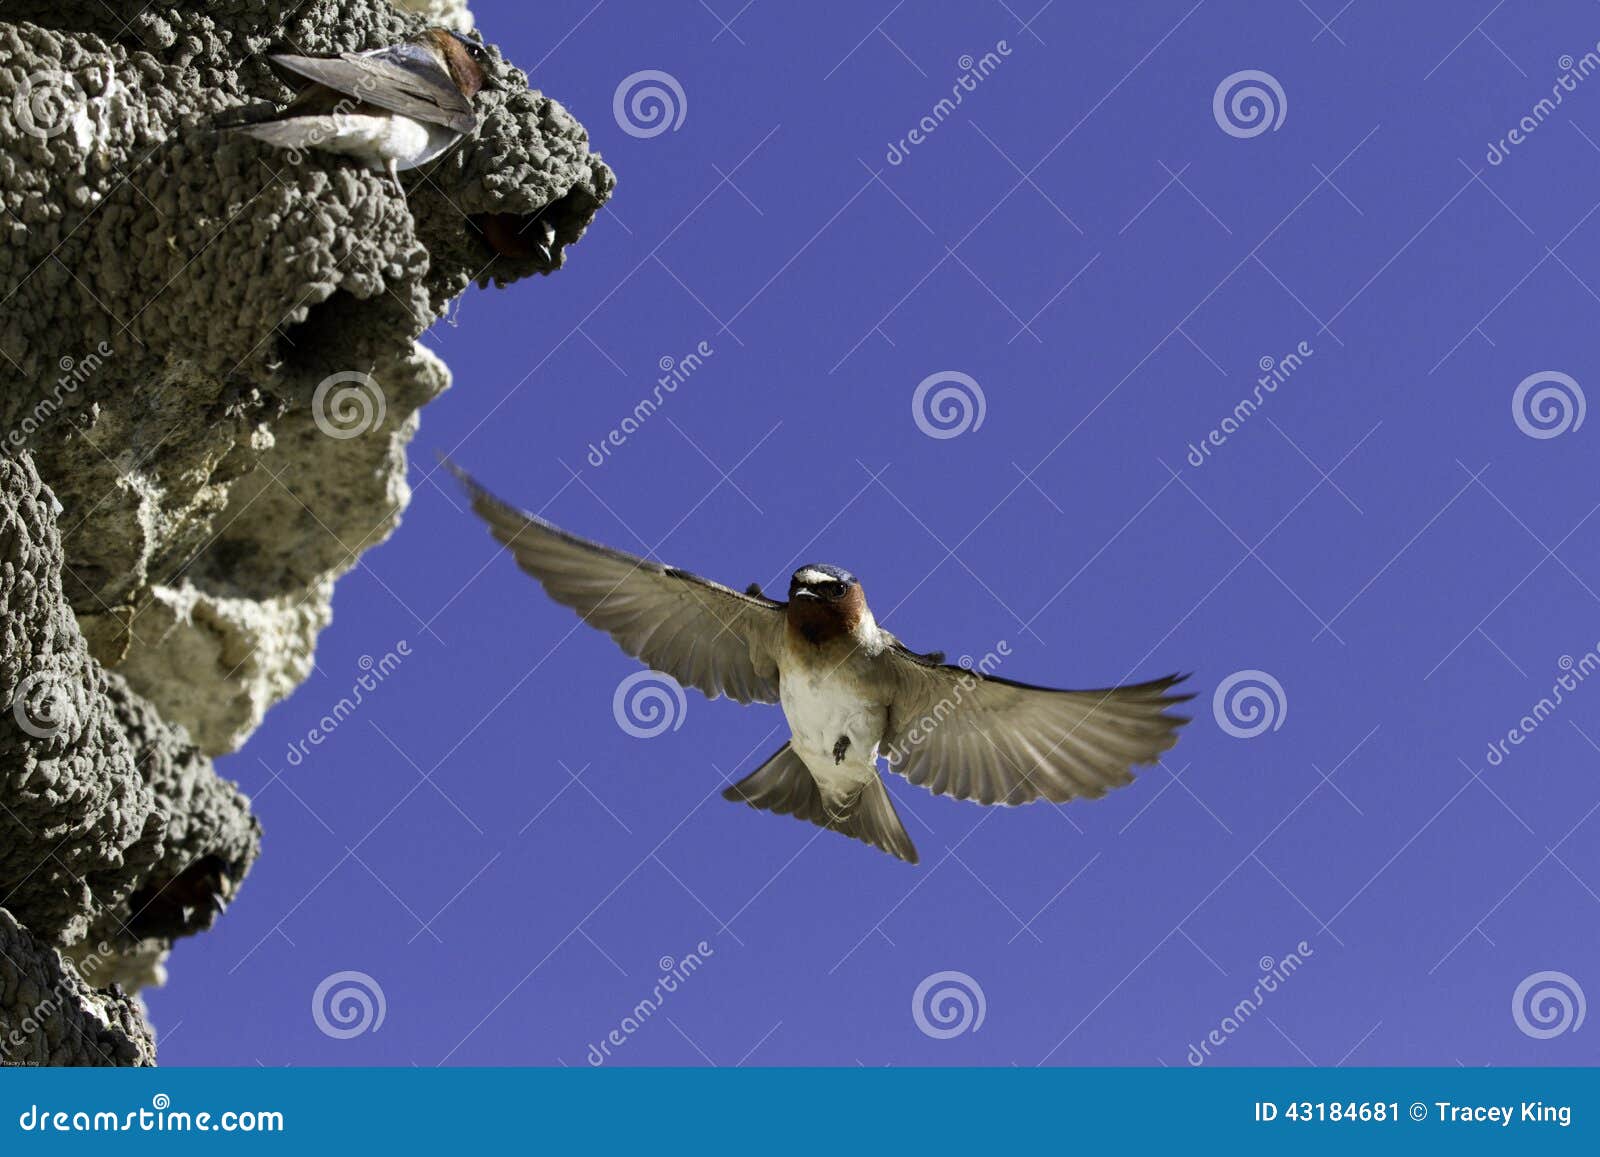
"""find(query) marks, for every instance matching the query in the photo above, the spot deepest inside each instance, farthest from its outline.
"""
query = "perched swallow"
(395, 108)
(851, 691)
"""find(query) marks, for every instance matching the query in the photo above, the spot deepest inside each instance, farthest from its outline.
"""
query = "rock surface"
(209, 373)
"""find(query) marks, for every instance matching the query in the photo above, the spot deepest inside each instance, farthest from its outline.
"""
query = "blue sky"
(1109, 264)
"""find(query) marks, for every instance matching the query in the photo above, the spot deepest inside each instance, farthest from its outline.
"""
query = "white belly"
(439, 141)
(821, 707)
(384, 138)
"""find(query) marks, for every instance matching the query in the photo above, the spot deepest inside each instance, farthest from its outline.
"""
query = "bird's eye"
(835, 590)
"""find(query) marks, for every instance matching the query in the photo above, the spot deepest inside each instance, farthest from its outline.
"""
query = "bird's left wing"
(961, 733)
(402, 78)
(703, 634)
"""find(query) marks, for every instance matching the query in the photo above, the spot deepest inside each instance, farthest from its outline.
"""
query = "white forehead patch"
(814, 577)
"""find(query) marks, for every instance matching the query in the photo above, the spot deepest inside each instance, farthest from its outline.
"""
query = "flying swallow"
(850, 690)
(394, 108)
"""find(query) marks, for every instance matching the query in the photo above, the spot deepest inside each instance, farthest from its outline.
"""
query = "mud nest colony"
(176, 502)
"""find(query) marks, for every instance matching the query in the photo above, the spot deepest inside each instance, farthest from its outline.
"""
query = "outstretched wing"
(403, 78)
(964, 734)
(703, 634)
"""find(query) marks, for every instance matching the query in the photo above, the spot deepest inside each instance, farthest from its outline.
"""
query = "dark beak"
(806, 593)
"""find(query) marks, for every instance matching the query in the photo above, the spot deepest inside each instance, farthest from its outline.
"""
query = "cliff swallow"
(517, 235)
(394, 108)
(852, 693)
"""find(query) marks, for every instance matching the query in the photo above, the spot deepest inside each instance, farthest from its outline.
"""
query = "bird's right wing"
(961, 733)
(703, 634)
(402, 78)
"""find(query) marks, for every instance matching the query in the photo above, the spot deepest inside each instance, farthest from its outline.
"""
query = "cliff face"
(210, 375)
